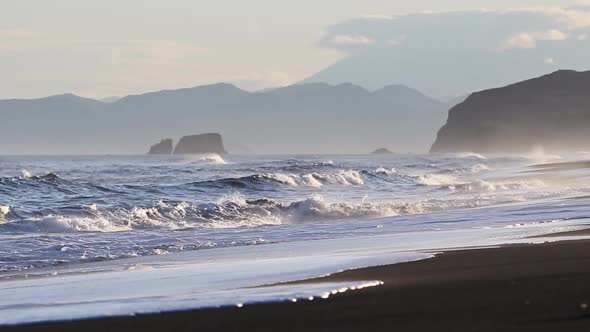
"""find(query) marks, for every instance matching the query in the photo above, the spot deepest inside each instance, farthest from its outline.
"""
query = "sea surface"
(119, 235)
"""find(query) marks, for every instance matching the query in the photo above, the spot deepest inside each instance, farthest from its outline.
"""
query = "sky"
(115, 47)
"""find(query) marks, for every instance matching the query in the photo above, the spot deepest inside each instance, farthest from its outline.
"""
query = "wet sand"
(517, 288)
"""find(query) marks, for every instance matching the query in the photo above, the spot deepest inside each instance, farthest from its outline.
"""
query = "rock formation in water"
(200, 144)
(164, 147)
(382, 151)
(551, 112)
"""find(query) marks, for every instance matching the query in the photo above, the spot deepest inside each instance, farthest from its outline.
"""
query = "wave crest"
(316, 180)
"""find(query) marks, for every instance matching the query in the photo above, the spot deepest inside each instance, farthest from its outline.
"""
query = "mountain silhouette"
(306, 118)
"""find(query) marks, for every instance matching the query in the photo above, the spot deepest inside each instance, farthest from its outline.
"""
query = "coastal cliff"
(550, 112)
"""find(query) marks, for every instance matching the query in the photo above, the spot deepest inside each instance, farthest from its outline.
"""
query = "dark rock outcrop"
(199, 144)
(382, 151)
(164, 147)
(550, 112)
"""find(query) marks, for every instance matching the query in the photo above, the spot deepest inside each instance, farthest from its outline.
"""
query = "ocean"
(93, 236)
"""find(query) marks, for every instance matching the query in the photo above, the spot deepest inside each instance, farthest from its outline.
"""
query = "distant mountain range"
(306, 118)
(551, 112)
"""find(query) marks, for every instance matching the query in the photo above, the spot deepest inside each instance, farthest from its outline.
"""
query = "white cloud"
(499, 45)
(352, 40)
(582, 37)
(552, 35)
(530, 39)
(502, 26)
(521, 40)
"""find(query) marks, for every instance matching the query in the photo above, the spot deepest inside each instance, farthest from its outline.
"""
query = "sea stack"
(200, 144)
(164, 147)
(382, 151)
(551, 112)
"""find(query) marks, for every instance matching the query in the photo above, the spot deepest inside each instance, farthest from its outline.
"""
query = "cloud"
(550, 61)
(455, 52)
(522, 40)
(530, 39)
(351, 40)
(500, 29)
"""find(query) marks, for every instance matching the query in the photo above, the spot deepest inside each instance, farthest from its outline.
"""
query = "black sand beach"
(517, 288)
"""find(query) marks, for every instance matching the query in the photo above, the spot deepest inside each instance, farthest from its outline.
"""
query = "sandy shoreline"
(516, 288)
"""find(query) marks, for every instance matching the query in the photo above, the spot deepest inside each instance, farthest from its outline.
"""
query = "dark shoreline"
(542, 287)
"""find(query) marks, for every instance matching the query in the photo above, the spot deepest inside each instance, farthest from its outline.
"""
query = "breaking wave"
(234, 211)
(27, 177)
(213, 159)
(496, 185)
(434, 179)
(470, 155)
(4, 210)
(314, 179)
(109, 208)
(230, 211)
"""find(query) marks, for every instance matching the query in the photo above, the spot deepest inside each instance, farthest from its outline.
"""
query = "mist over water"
(71, 210)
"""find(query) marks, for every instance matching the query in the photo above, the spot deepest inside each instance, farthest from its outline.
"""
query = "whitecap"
(470, 155)
(316, 180)
(433, 179)
(89, 207)
(4, 210)
(385, 171)
(213, 159)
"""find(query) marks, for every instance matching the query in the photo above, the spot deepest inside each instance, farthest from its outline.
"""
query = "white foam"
(90, 207)
(232, 198)
(433, 179)
(310, 180)
(345, 178)
(526, 184)
(385, 171)
(26, 174)
(280, 178)
(478, 168)
(62, 224)
(213, 159)
(316, 180)
(508, 184)
(318, 208)
(4, 210)
(470, 155)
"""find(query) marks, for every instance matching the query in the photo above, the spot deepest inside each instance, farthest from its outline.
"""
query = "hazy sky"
(118, 47)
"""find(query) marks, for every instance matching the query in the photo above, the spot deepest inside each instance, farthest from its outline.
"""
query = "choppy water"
(70, 210)
(101, 236)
